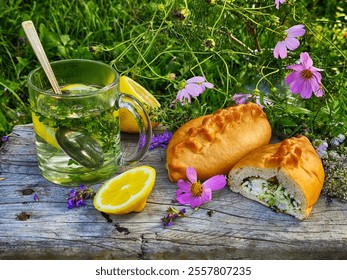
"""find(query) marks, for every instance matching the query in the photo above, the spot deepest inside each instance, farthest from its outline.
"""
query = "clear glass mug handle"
(135, 107)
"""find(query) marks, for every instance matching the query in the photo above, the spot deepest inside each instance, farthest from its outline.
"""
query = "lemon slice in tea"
(45, 132)
(74, 89)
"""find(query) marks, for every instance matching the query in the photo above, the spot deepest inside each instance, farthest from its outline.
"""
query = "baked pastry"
(287, 176)
(212, 144)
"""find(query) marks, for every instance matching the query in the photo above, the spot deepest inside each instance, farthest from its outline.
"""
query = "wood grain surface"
(228, 227)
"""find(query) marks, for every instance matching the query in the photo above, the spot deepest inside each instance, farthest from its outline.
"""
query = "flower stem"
(265, 76)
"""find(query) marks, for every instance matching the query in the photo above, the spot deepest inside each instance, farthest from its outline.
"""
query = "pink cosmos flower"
(305, 79)
(194, 193)
(193, 88)
(290, 42)
(277, 3)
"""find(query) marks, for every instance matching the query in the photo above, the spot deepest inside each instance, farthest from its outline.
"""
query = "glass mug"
(78, 132)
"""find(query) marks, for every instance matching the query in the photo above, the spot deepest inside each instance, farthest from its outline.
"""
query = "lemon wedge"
(45, 132)
(129, 86)
(127, 192)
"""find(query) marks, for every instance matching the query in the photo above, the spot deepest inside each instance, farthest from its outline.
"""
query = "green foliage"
(162, 43)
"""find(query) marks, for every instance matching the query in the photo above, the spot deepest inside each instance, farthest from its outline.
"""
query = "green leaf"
(62, 51)
(298, 110)
(23, 61)
(288, 122)
(3, 123)
(65, 39)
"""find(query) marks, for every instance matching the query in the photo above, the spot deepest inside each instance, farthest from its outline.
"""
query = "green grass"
(150, 40)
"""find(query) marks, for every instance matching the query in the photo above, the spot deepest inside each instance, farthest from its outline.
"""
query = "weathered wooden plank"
(237, 229)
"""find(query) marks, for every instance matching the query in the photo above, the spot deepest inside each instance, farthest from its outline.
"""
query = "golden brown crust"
(212, 144)
(297, 158)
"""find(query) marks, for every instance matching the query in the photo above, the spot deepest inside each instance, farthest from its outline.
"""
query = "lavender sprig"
(160, 140)
(76, 198)
(172, 213)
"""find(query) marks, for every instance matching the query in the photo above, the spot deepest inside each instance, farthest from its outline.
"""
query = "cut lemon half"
(45, 132)
(129, 86)
(127, 192)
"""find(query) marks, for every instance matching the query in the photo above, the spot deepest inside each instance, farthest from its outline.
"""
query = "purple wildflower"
(338, 140)
(305, 79)
(322, 150)
(76, 198)
(160, 140)
(4, 138)
(341, 138)
(241, 98)
(194, 193)
(290, 42)
(172, 213)
(278, 2)
(36, 197)
(193, 87)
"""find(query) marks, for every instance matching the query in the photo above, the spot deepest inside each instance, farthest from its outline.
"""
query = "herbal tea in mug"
(77, 132)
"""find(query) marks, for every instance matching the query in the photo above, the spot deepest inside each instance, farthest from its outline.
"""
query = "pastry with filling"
(212, 144)
(287, 177)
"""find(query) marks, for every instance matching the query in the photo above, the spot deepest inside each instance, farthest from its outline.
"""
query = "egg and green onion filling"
(272, 193)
